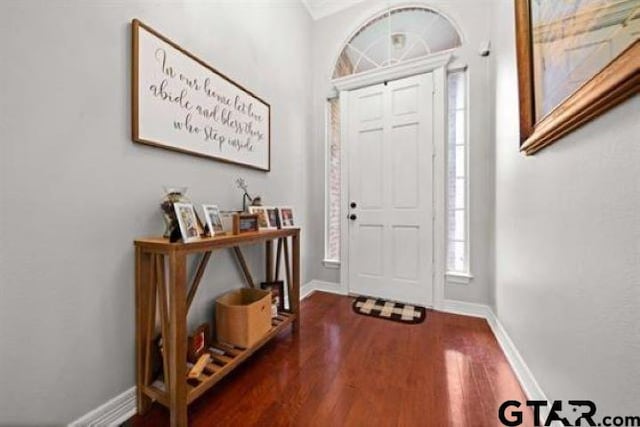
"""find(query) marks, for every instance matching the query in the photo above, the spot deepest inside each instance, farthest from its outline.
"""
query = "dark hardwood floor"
(345, 369)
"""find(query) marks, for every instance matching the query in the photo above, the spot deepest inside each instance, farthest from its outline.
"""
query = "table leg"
(295, 292)
(287, 272)
(269, 260)
(143, 272)
(278, 257)
(177, 339)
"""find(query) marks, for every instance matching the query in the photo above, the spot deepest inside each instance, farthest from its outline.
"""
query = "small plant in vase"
(254, 201)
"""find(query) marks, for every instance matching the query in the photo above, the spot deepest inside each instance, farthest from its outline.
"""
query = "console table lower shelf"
(225, 359)
(162, 292)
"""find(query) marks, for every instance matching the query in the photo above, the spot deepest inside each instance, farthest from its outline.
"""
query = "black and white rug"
(389, 310)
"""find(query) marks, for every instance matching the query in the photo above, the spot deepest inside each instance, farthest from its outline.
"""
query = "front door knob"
(353, 217)
(353, 205)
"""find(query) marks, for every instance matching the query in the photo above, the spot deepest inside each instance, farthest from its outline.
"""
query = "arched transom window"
(396, 36)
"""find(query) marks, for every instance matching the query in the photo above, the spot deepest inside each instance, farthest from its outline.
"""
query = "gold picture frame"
(612, 84)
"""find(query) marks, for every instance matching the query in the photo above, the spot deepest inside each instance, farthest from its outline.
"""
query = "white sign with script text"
(182, 104)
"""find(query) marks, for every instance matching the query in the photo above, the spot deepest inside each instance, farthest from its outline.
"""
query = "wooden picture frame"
(245, 223)
(616, 82)
(181, 103)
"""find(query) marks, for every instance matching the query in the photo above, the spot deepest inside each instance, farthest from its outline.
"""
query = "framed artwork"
(181, 103)
(245, 223)
(286, 217)
(213, 219)
(188, 221)
(266, 221)
(576, 60)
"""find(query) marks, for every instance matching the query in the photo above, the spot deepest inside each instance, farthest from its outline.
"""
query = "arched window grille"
(396, 36)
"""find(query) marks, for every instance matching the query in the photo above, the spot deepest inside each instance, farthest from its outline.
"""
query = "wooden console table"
(162, 288)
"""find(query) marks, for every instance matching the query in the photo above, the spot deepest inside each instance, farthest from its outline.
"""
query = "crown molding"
(319, 9)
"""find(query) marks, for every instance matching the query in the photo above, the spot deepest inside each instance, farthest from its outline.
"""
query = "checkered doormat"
(404, 313)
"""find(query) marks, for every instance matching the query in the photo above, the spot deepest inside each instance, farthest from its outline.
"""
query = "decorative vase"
(172, 195)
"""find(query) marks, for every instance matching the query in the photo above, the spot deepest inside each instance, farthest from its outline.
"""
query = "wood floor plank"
(344, 369)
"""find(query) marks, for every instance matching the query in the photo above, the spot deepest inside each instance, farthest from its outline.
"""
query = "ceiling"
(321, 8)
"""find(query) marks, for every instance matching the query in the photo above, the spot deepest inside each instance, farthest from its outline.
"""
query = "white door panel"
(390, 143)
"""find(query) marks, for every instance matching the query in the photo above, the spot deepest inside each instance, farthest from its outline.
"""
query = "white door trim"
(381, 75)
(438, 65)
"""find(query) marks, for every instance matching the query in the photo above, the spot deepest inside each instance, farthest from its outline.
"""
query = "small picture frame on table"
(213, 220)
(188, 221)
(227, 221)
(245, 223)
(277, 292)
(198, 343)
(273, 216)
(261, 212)
(265, 221)
(287, 218)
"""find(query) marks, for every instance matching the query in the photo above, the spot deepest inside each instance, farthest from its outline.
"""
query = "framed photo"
(273, 216)
(188, 221)
(161, 71)
(261, 212)
(287, 219)
(227, 220)
(213, 219)
(245, 223)
(576, 60)
(265, 222)
(277, 292)
(198, 343)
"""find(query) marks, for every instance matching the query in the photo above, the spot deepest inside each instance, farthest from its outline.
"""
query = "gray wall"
(568, 247)
(76, 191)
(473, 18)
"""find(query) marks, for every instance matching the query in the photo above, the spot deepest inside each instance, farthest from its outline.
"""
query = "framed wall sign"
(181, 103)
(576, 60)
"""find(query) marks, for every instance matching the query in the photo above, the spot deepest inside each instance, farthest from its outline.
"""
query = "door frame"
(436, 64)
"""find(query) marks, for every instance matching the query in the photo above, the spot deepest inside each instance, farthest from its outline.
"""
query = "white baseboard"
(113, 413)
(320, 285)
(519, 366)
(523, 373)
(306, 290)
(466, 308)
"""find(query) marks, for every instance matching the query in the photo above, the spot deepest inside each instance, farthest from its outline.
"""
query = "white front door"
(390, 182)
